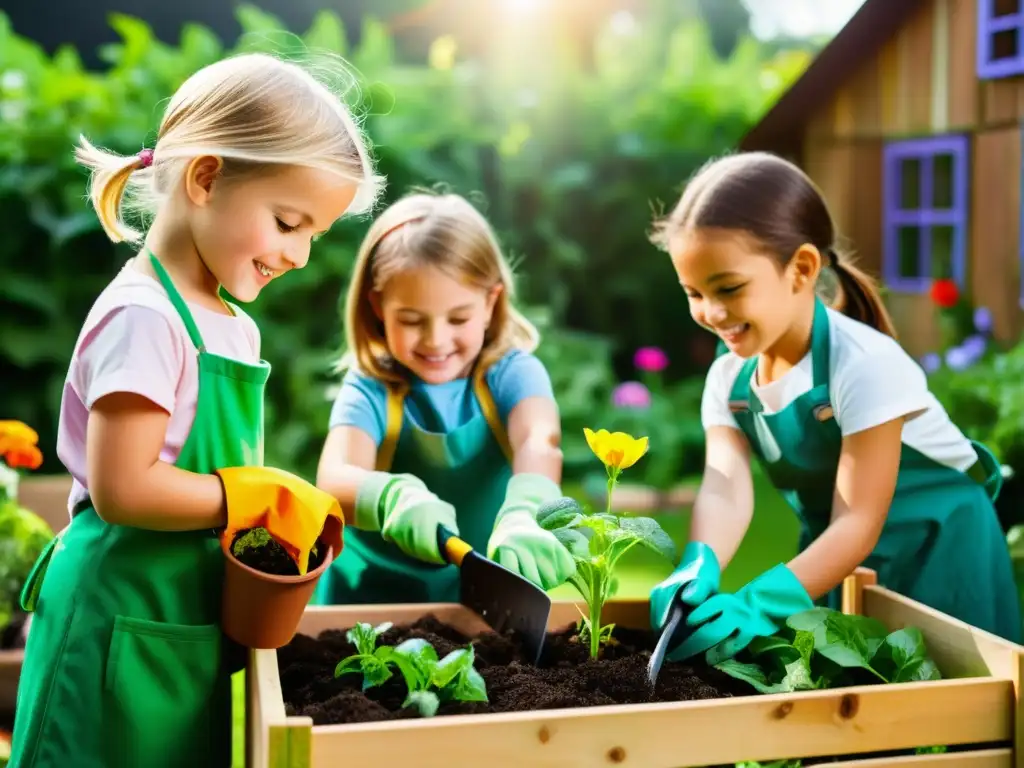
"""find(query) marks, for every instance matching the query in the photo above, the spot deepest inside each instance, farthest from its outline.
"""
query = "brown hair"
(255, 111)
(444, 231)
(775, 202)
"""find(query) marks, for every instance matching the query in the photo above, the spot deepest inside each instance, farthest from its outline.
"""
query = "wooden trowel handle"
(452, 548)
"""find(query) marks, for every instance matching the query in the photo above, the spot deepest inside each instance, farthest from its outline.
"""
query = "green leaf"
(798, 677)
(775, 648)
(375, 671)
(750, 673)
(348, 665)
(326, 33)
(448, 668)
(650, 534)
(559, 513)
(426, 702)
(575, 541)
(471, 686)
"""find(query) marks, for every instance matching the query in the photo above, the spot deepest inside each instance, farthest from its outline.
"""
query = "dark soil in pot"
(566, 676)
(262, 553)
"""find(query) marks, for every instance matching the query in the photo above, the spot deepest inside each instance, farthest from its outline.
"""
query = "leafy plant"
(597, 541)
(823, 648)
(430, 681)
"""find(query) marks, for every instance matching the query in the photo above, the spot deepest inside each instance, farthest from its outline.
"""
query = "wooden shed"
(910, 122)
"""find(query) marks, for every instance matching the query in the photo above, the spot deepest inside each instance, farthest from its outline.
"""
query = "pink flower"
(651, 359)
(631, 394)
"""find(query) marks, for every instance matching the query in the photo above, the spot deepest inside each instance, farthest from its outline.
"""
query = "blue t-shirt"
(362, 401)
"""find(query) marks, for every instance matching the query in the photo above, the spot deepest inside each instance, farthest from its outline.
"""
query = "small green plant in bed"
(824, 648)
(430, 681)
(597, 541)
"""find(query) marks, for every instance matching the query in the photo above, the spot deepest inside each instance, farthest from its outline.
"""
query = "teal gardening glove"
(727, 623)
(519, 543)
(693, 582)
(405, 512)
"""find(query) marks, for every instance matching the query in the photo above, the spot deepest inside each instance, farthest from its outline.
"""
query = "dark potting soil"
(565, 677)
(272, 558)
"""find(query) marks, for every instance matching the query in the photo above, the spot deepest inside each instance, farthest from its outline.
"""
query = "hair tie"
(833, 258)
(146, 158)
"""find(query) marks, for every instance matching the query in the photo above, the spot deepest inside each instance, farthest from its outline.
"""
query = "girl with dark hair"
(815, 385)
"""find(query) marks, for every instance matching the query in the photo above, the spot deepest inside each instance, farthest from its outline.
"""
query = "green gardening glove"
(519, 543)
(727, 623)
(405, 512)
(693, 582)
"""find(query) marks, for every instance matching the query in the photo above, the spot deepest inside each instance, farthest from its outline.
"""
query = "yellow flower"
(616, 450)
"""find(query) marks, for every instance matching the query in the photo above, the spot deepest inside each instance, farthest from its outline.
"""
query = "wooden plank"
(853, 590)
(809, 723)
(843, 110)
(275, 739)
(994, 237)
(916, 321)
(865, 96)
(1000, 100)
(915, 85)
(864, 230)
(940, 67)
(963, 81)
(981, 758)
(830, 166)
(889, 59)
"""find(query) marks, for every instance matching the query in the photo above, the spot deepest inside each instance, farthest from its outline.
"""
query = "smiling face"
(738, 292)
(251, 230)
(434, 323)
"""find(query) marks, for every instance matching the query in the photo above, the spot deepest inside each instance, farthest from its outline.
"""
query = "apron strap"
(179, 303)
(395, 407)
(821, 346)
(490, 411)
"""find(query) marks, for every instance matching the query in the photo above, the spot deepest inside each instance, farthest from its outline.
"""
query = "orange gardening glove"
(291, 510)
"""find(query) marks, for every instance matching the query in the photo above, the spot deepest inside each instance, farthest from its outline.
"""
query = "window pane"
(1005, 8)
(1005, 44)
(910, 184)
(942, 251)
(942, 181)
(908, 246)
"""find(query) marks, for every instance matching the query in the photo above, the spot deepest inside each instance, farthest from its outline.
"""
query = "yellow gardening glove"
(291, 510)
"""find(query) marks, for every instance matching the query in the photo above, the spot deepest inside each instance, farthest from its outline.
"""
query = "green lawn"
(771, 539)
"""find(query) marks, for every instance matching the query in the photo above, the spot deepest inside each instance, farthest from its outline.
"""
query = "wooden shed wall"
(923, 81)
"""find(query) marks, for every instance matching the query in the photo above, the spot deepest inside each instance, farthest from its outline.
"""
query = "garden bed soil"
(565, 677)
(273, 559)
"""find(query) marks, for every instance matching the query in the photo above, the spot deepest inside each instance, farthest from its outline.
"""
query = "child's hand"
(410, 516)
(519, 543)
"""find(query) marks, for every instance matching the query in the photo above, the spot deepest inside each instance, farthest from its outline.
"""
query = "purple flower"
(931, 362)
(958, 358)
(975, 346)
(631, 394)
(983, 320)
(652, 359)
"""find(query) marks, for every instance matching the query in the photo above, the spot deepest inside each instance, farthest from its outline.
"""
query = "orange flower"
(18, 445)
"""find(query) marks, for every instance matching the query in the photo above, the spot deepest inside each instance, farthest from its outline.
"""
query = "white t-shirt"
(872, 380)
(133, 340)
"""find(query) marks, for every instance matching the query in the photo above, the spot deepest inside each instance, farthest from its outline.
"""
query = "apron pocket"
(164, 688)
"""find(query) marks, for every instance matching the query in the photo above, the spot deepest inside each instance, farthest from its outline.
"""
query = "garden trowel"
(503, 598)
(671, 629)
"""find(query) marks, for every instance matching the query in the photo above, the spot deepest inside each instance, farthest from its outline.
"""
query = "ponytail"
(859, 297)
(110, 176)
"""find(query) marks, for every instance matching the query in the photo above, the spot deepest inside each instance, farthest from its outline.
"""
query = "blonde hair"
(443, 231)
(251, 110)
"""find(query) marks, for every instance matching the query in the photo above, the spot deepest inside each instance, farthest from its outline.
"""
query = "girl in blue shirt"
(444, 418)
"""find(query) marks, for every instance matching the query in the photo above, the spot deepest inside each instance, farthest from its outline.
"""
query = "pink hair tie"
(146, 157)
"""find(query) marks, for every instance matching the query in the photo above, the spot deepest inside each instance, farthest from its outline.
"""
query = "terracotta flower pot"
(262, 610)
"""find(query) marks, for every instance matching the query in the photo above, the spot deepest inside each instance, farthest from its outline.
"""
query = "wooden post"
(853, 590)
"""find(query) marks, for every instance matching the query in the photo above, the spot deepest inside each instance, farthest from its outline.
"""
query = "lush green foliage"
(566, 156)
(430, 681)
(23, 535)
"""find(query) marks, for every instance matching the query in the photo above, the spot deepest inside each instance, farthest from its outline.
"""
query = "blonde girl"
(445, 418)
(836, 412)
(161, 419)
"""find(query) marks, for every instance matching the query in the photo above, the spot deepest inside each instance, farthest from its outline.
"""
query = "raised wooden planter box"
(978, 704)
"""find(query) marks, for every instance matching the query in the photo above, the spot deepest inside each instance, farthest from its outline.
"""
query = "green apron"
(468, 467)
(941, 544)
(126, 664)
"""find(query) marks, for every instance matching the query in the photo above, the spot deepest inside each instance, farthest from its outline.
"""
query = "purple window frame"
(988, 26)
(924, 216)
